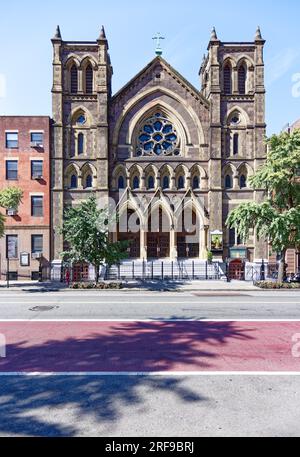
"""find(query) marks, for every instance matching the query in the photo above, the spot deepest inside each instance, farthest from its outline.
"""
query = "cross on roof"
(158, 38)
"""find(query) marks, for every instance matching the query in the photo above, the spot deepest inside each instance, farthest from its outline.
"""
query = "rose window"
(158, 136)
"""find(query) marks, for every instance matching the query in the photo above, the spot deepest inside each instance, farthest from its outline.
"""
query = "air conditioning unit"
(37, 255)
(37, 176)
(36, 144)
(12, 212)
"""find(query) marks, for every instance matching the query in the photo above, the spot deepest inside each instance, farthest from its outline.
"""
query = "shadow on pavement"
(129, 346)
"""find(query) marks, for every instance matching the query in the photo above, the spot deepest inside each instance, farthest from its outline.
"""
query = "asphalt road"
(150, 406)
(168, 405)
(149, 305)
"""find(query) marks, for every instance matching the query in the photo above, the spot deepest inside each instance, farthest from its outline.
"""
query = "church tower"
(81, 93)
(232, 78)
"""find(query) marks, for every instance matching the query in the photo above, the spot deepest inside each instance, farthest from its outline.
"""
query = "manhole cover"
(43, 308)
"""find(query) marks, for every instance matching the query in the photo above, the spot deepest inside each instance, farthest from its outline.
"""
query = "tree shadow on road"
(124, 346)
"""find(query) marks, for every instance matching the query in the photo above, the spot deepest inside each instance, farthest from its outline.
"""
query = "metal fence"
(160, 270)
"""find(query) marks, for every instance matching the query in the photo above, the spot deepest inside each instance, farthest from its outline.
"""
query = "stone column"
(203, 232)
(235, 81)
(236, 185)
(173, 244)
(143, 242)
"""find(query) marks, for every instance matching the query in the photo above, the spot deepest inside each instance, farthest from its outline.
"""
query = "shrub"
(276, 285)
(94, 286)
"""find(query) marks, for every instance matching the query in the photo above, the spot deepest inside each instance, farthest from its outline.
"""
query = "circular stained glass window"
(157, 136)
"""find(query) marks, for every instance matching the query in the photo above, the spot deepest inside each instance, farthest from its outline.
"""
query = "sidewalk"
(164, 286)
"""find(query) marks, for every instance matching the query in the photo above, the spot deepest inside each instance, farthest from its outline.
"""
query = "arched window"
(121, 182)
(227, 79)
(166, 182)
(74, 79)
(228, 182)
(136, 182)
(73, 182)
(151, 184)
(235, 144)
(80, 143)
(89, 182)
(243, 182)
(181, 182)
(242, 74)
(196, 182)
(89, 79)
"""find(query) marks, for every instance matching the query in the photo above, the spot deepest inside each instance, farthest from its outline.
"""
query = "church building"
(160, 148)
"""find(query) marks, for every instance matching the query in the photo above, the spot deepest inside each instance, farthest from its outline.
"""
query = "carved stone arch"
(164, 205)
(72, 170)
(88, 59)
(245, 119)
(89, 166)
(247, 60)
(163, 91)
(119, 170)
(229, 59)
(246, 166)
(196, 171)
(151, 168)
(192, 204)
(70, 60)
(197, 167)
(227, 80)
(135, 172)
(72, 167)
(131, 204)
(229, 167)
(75, 113)
(148, 111)
(135, 167)
(88, 170)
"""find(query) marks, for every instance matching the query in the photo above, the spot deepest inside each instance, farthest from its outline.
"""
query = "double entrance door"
(158, 245)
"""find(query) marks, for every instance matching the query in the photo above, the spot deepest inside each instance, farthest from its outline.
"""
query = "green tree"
(10, 197)
(277, 218)
(86, 230)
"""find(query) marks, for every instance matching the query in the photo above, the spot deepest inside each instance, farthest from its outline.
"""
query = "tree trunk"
(97, 275)
(281, 270)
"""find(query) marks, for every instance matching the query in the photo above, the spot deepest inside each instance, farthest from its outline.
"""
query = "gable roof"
(158, 59)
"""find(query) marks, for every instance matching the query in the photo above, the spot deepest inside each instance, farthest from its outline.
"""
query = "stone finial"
(57, 35)
(213, 36)
(258, 36)
(102, 35)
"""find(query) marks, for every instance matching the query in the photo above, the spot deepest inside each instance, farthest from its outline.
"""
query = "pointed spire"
(213, 36)
(258, 36)
(102, 35)
(57, 35)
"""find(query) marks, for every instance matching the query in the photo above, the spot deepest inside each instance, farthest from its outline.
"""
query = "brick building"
(25, 163)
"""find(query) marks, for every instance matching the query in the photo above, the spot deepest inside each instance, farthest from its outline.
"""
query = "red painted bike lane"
(155, 346)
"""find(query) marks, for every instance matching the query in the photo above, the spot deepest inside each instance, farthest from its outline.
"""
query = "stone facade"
(198, 153)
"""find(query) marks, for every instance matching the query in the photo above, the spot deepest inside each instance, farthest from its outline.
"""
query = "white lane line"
(153, 374)
(153, 302)
(155, 319)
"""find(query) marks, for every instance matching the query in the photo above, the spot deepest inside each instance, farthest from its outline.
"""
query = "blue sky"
(27, 26)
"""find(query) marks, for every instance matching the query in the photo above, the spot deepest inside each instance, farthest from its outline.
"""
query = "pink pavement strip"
(177, 346)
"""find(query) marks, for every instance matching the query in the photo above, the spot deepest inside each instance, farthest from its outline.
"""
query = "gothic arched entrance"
(158, 236)
(188, 237)
(129, 230)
